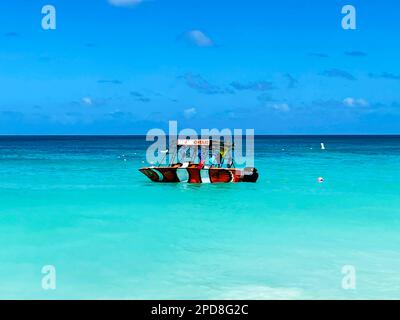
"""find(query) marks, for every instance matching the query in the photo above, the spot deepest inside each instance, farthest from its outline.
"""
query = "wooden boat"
(216, 170)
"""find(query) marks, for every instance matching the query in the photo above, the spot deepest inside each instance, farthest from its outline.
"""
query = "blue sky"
(280, 67)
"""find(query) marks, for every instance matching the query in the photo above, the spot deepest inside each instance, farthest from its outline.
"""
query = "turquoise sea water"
(72, 202)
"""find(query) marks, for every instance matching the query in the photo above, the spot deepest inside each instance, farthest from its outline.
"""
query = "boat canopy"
(204, 142)
(211, 150)
(193, 142)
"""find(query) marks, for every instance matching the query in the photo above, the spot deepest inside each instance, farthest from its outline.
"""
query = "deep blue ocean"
(81, 205)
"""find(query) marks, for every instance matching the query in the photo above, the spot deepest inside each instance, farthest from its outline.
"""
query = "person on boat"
(199, 154)
(222, 154)
(201, 164)
(211, 160)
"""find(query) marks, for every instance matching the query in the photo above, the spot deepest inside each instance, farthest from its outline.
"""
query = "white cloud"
(124, 3)
(353, 102)
(198, 38)
(87, 101)
(189, 113)
(284, 107)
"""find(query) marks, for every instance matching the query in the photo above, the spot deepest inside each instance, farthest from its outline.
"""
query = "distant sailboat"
(322, 146)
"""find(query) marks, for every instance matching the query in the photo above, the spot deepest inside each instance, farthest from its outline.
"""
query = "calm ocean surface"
(72, 202)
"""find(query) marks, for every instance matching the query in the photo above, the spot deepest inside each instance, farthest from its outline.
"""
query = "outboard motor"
(250, 174)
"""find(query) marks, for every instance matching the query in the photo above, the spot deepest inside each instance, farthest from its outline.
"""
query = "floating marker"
(320, 179)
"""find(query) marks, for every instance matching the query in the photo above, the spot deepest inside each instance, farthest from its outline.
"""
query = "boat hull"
(200, 175)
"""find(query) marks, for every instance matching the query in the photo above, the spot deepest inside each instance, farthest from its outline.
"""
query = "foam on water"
(257, 292)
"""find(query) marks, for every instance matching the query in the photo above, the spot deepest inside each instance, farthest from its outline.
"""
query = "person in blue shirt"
(211, 160)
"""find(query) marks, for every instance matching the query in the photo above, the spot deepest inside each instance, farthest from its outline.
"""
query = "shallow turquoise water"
(73, 203)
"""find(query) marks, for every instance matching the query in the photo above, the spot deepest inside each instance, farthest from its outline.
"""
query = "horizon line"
(143, 135)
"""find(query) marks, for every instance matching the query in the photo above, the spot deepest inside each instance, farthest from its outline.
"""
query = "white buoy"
(322, 146)
(320, 179)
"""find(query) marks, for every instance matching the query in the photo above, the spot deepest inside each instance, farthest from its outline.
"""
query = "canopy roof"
(203, 142)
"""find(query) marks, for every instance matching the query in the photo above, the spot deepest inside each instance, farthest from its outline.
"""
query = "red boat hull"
(194, 174)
